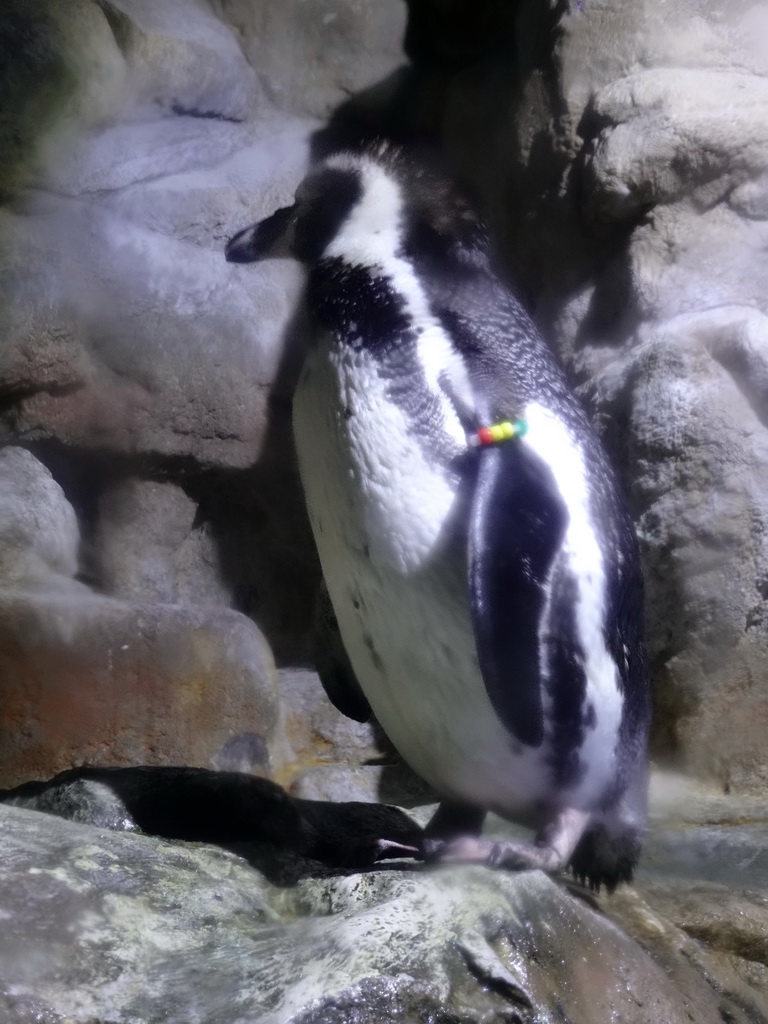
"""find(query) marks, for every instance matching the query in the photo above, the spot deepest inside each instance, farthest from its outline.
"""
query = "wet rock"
(173, 930)
(702, 888)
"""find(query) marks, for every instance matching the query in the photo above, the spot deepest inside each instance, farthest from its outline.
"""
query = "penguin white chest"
(367, 480)
(394, 559)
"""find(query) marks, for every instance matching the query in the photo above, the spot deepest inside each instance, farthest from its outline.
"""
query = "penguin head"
(302, 231)
(358, 206)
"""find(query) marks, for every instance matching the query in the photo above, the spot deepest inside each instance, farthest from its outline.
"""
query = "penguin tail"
(607, 854)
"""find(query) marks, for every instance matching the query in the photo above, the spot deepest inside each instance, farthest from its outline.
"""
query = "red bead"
(485, 435)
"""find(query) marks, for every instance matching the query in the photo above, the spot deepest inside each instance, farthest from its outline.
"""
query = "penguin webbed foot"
(551, 851)
(507, 854)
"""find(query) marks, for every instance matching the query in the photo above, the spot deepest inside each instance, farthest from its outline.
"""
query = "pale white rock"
(39, 534)
(312, 56)
(678, 132)
(181, 56)
(131, 152)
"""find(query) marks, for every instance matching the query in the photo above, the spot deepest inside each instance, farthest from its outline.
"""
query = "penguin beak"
(271, 238)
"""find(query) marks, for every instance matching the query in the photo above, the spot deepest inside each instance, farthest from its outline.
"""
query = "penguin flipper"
(333, 665)
(517, 524)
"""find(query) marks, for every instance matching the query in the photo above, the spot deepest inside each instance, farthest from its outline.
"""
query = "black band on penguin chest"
(362, 309)
(365, 312)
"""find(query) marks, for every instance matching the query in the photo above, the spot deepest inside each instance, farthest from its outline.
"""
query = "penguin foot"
(508, 855)
(551, 851)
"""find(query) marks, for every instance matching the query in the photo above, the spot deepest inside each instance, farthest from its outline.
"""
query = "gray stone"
(660, 120)
(125, 154)
(314, 731)
(179, 932)
(702, 887)
(391, 783)
(205, 206)
(183, 350)
(63, 72)
(149, 547)
(319, 754)
(182, 57)
(39, 535)
(312, 57)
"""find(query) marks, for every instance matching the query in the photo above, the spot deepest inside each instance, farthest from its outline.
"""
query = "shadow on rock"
(285, 838)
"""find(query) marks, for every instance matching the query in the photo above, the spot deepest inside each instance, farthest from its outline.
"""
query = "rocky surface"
(126, 927)
(39, 534)
(93, 679)
(154, 555)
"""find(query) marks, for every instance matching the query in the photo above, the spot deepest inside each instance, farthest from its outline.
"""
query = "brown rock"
(93, 680)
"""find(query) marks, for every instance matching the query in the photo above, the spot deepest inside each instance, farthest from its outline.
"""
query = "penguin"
(481, 565)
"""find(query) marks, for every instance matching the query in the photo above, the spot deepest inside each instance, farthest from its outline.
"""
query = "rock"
(95, 680)
(125, 154)
(360, 43)
(391, 783)
(314, 732)
(183, 58)
(322, 755)
(63, 72)
(700, 480)
(205, 206)
(198, 390)
(39, 535)
(91, 679)
(150, 547)
(159, 929)
(659, 122)
(702, 887)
